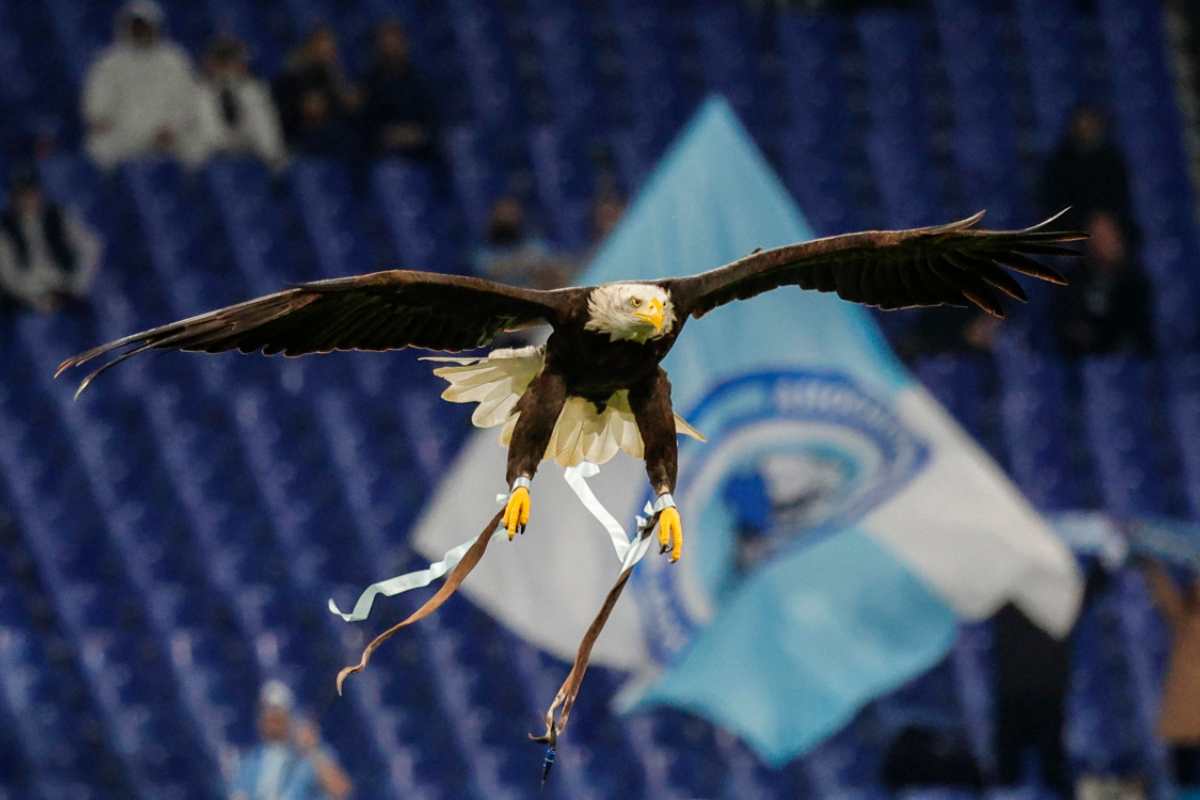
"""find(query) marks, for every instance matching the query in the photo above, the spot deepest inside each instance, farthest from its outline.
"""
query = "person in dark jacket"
(1032, 676)
(48, 256)
(937, 331)
(513, 253)
(1087, 172)
(399, 118)
(1108, 307)
(316, 102)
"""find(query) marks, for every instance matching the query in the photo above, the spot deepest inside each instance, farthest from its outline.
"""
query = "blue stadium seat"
(815, 147)
(1050, 34)
(563, 34)
(985, 143)
(1132, 457)
(565, 183)
(414, 216)
(898, 144)
(1045, 443)
(492, 75)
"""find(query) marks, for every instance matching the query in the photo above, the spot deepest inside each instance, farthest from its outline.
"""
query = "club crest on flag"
(793, 456)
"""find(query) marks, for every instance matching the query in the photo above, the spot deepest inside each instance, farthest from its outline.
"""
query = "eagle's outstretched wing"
(377, 311)
(954, 264)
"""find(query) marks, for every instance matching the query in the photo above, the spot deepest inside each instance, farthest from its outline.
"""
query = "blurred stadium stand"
(170, 542)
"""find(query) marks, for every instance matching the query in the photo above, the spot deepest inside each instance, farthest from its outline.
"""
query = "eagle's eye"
(635, 302)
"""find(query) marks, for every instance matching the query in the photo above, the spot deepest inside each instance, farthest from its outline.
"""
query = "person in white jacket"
(139, 94)
(235, 112)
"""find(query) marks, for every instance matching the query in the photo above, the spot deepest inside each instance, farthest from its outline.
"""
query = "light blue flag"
(838, 524)
(832, 514)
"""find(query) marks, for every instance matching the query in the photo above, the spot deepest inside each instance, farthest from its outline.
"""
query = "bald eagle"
(596, 386)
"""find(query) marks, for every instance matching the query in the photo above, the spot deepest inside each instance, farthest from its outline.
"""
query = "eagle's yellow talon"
(670, 532)
(516, 513)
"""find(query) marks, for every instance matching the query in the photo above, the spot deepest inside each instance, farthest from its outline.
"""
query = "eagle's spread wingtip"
(86, 382)
(1050, 219)
(67, 364)
(958, 224)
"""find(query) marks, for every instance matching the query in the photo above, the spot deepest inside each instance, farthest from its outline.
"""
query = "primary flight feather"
(596, 386)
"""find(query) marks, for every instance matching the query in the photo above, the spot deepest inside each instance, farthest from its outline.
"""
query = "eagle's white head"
(635, 312)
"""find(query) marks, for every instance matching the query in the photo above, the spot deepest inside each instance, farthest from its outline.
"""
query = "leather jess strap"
(460, 572)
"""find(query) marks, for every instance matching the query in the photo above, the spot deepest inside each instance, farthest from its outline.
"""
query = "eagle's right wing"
(954, 264)
(378, 311)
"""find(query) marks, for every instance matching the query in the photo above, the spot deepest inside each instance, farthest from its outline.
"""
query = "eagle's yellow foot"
(670, 532)
(516, 513)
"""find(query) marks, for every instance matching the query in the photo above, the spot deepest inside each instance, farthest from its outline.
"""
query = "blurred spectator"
(235, 112)
(607, 212)
(399, 116)
(48, 256)
(1032, 673)
(514, 255)
(923, 755)
(1107, 787)
(1107, 308)
(1032, 670)
(290, 763)
(316, 101)
(1087, 172)
(139, 95)
(1179, 717)
(949, 330)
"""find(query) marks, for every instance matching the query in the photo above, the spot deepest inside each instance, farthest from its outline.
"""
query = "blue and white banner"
(839, 524)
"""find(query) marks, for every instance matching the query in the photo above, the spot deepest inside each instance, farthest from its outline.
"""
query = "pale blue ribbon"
(629, 551)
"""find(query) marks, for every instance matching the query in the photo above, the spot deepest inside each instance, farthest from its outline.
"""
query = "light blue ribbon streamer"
(628, 551)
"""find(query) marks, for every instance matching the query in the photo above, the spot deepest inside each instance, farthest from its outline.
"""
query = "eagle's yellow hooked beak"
(652, 313)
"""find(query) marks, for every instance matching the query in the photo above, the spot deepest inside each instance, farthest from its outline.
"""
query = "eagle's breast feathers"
(584, 431)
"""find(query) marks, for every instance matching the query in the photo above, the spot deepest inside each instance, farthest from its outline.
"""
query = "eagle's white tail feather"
(468, 386)
(494, 412)
(497, 381)
(684, 427)
(631, 440)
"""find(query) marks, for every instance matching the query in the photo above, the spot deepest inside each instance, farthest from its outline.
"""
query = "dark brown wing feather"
(954, 264)
(378, 311)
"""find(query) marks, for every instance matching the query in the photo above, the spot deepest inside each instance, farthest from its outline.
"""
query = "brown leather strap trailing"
(570, 687)
(457, 575)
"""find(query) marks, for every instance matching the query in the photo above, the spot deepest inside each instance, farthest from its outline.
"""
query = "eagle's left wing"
(378, 311)
(954, 264)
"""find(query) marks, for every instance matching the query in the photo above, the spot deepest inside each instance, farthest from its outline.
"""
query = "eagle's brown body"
(590, 365)
(594, 366)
